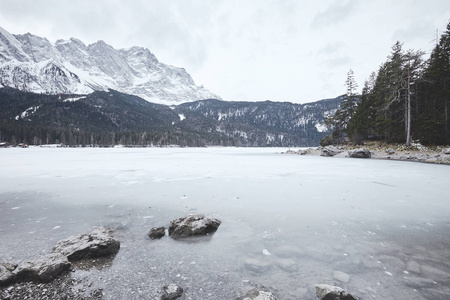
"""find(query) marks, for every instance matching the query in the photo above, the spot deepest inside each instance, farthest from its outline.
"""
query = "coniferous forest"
(407, 99)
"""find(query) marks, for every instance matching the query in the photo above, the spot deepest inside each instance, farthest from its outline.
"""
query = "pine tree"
(435, 108)
(361, 124)
(340, 121)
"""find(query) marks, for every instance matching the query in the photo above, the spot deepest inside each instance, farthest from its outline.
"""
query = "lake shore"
(417, 153)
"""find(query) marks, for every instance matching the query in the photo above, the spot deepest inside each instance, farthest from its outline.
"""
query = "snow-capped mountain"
(33, 64)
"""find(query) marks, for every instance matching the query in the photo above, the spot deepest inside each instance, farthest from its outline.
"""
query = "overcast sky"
(280, 50)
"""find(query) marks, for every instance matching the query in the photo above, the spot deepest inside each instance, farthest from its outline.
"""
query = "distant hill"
(106, 118)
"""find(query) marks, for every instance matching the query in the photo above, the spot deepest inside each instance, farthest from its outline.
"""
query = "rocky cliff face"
(33, 64)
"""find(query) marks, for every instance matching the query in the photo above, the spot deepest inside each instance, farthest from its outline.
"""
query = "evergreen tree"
(435, 107)
(361, 124)
(341, 119)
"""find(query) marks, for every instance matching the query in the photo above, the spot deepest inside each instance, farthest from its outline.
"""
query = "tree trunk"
(408, 112)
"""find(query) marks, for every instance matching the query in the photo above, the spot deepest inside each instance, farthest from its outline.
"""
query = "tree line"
(407, 99)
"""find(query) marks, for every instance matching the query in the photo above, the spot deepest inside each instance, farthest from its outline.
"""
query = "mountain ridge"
(105, 118)
(31, 63)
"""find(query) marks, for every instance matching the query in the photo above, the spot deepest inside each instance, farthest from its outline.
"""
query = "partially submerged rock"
(171, 292)
(330, 292)
(6, 272)
(330, 151)
(257, 292)
(98, 243)
(341, 276)
(43, 269)
(157, 233)
(360, 153)
(193, 225)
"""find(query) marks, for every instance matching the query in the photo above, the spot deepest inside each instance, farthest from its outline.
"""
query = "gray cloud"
(331, 48)
(334, 14)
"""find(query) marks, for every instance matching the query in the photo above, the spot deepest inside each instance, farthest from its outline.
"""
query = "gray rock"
(157, 233)
(257, 292)
(171, 292)
(193, 225)
(257, 265)
(287, 264)
(6, 272)
(360, 153)
(413, 266)
(419, 283)
(330, 151)
(446, 151)
(330, 292)
(390, 151)
(95, 244)
(43, 269)
(341, 276)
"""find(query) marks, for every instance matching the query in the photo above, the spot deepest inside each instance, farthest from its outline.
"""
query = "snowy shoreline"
(418, 153)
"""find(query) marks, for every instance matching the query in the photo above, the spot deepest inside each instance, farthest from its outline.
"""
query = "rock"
(300, 152)
(390, 151)
(360, 153)
(171, 291)
(157, 233)
(287, 264)
(419, 283)
(257, 265)
(43, 269)
(341, 276)
(413, 266)
(6, 272)
(95, 244)
(291, 152)
(258, 293)
(329, 292)
(193, 225)
(446, 151)
(330, 151)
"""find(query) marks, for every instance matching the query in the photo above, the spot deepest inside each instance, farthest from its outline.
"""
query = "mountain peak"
(77, 68)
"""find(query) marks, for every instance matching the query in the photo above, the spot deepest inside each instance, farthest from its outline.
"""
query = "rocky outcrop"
(98, 243)
(330, 151)
(360, 153)
(157, 233)
(193, 225)
(171, 292)
(330, 292)
(6, 272)
(43, 269)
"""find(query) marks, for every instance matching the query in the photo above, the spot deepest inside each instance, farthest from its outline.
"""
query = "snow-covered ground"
(377, 228)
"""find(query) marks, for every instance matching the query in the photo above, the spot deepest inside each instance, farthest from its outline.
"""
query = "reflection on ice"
(379, 229)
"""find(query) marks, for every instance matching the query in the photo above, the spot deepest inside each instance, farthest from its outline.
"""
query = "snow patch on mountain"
(28, 112)
(321, 127)
(32, 63)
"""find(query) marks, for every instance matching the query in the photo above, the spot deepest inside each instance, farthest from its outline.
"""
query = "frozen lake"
(378, 228)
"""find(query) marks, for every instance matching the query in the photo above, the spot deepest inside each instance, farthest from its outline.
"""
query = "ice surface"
(370, 220)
